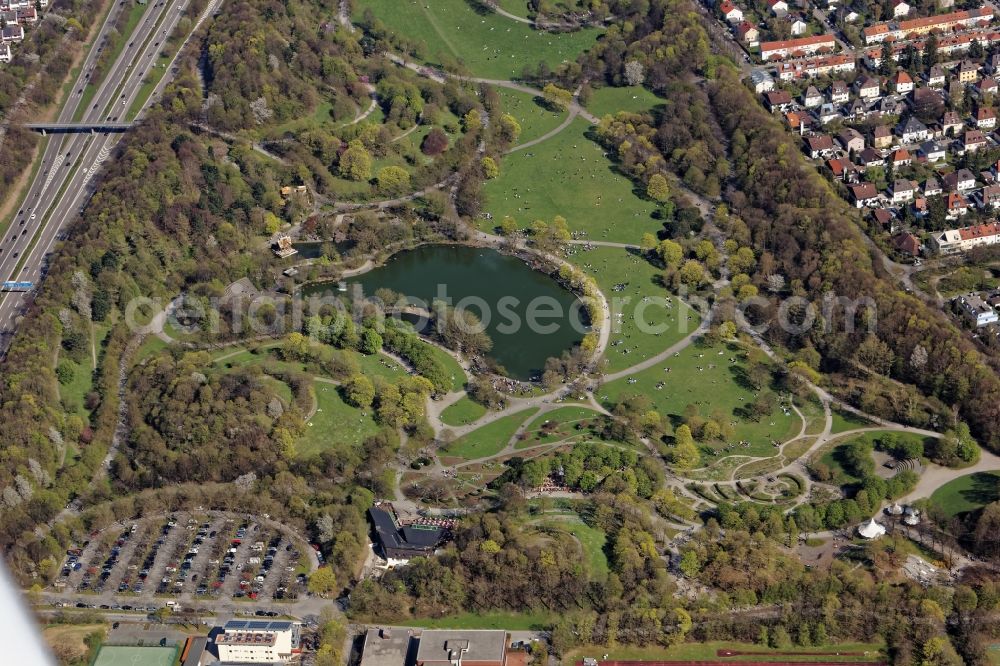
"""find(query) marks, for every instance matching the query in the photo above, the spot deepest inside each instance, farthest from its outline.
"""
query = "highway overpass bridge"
(76, 128)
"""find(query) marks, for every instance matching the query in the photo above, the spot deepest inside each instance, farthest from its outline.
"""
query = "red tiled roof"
(814, 40)
(979, 231)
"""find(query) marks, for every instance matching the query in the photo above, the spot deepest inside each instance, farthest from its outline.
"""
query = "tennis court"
(122, 655)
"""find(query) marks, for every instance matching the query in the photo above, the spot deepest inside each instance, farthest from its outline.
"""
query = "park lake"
(498, 288)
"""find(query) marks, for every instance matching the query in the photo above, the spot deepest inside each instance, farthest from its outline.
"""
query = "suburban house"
(986, 86)
(965, 238)
(828, 113)
(933, 151)
(935, 77)
(900, 158)
(900, 9)
(951, 123)
(811, 97)
(907, 243)
(902, 83)
(932, 187)
(857, 110)
(851, 139)
(986, 118)
(912, 131)
(762, 81)
(976, 310)
(839, 94)
(973, 140)
(968, 72)
(795, 47)
(11, 33)
(864, 194)
(989, 197)
(881, 137)
(868, 88)
(957, 205)
(778, 7)
(843, 169)
(730, 11)
(903, 190)
(5, 53)
(883, 218)
(820, 146)
(797, 27)
(870, 157)
(891, 106)
(959, 181)
(993, 64)
(777, 100)
(748, 33)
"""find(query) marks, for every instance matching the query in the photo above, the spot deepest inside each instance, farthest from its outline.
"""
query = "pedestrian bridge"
(74, 128)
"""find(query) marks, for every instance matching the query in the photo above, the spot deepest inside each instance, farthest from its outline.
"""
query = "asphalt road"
(69, 161)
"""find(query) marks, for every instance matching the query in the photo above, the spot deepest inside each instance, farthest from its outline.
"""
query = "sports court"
(122, 655)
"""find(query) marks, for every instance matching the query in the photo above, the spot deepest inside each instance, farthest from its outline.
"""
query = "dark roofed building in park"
(401, 542)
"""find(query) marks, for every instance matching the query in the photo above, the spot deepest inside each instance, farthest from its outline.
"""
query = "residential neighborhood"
(15, 15)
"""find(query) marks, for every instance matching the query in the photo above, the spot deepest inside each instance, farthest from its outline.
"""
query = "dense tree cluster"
(189, 426)
(590, 468)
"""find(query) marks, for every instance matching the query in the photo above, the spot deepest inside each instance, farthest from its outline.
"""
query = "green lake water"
(504, 292)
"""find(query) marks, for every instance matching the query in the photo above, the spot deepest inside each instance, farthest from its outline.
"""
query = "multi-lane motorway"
(70, 161)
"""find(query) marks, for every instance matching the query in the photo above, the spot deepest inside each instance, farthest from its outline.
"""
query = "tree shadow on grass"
(985, 489)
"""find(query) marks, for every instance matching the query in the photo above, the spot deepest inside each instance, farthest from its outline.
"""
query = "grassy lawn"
(460, 413)
(489, 45)
(591, 540)
(634, 99)
(528, 621)
(968, 493)
(569, 176)
(708, 651)
(490, 439)
(335, 423)
(534, 118)
(68, 638)
(515, 7)
(844, 421)
(710, 389)
(636, 279)
(74, 392)
(565, 417)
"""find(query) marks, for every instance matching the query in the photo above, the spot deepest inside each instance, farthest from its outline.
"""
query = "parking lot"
(208, 556)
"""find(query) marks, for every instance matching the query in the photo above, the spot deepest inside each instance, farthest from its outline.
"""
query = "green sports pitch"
(121, 655)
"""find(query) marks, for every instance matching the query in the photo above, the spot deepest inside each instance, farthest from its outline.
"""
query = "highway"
(63, 183)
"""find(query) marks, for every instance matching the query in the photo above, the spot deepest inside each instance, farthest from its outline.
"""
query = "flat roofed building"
(483, 647)
(388, 647)
(258, 642)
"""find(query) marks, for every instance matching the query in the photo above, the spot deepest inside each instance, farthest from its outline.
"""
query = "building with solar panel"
(258, 642)
(398, 543)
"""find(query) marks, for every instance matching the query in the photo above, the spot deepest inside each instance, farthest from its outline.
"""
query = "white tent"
(871, 529)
